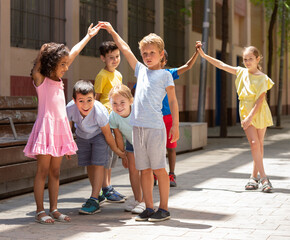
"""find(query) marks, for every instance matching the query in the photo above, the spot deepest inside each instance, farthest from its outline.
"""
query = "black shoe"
(159, 216)
(145, 215)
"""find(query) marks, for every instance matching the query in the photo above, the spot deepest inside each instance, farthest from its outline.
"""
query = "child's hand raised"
(107, 26)
(198, 47)
(92, 31)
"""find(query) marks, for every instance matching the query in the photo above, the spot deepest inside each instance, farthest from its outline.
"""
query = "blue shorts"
(129, 147)
(93, 151)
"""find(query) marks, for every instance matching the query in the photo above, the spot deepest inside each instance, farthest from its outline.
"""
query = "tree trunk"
(225, 36)
(270, 40)
(280, 90)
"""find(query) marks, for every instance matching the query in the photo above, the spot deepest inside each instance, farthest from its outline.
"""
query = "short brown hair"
(106, 47)
(152, 38)
(83, 87)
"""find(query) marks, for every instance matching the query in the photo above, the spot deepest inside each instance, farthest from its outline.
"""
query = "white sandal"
(43, 220)
(60, 218)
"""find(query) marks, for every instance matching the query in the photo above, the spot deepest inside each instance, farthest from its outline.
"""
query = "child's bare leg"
(147, 187)
(107, 177)
(53, 181)
(96, 175)
(171, 159)
(255, 144)
(163, 184)
(53, 185)
(135, 178)
(43, 163)
(261, 135)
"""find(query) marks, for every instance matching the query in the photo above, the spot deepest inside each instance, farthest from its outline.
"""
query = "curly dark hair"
(50, 56)
(106, 47)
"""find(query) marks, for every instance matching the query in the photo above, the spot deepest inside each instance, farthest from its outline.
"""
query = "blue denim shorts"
(129, 147)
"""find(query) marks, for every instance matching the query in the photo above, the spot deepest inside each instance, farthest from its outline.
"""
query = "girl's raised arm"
(35, 71)
(92, 31)
(217, 63)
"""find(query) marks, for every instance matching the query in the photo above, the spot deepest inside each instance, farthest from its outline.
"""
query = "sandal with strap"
(60, 218)
(253, 184)
(266, 185)
(43, 220)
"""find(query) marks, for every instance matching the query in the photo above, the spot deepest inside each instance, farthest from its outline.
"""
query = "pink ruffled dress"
(51, 133)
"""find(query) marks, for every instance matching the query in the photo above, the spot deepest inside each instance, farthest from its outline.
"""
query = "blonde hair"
(152, 38)
(121, 89)
(256, 53)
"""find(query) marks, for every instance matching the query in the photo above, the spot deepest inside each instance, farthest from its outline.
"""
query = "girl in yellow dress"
(255, 114)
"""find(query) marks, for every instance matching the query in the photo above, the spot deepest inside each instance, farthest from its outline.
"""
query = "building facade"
(27, 24)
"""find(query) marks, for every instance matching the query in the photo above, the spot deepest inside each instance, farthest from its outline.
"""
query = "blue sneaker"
(90, 207)
(111, 196)
(119, 194)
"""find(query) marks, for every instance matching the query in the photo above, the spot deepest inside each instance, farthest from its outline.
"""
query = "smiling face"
(251, 61)
(85, 103)
(112, 60)
(121, 105)
(61, 68)
(151, 56)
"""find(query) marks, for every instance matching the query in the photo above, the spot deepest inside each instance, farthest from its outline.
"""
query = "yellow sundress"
(249, 88)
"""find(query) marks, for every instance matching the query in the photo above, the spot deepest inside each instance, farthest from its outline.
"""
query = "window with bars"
(141, 22)
(174, 21)
(197, 15)
(92, 11)
(35, 22)
(218, 19)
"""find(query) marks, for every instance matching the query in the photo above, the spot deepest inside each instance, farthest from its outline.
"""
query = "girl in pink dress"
(51, 137)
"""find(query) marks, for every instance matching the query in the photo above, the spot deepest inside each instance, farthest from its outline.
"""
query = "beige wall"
(251, 29)
(5, 48)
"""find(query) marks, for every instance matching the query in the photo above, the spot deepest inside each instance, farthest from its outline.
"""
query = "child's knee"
(160, 171)
(255, 144)
(55, 173)
(146, 171)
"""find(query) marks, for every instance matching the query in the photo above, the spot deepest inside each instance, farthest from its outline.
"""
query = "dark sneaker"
(172, 179)
(145, 215)
(90, 207)
(155, 179)
(111, 196)
(101, 198)
(159, 216)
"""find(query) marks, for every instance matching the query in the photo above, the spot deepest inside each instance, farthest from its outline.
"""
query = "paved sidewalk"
(209, 202)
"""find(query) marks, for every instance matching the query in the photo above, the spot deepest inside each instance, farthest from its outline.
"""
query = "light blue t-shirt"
(90, 126)
(123, 124)
(150, 91)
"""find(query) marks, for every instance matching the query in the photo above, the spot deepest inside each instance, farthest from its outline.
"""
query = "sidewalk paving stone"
(209, 201)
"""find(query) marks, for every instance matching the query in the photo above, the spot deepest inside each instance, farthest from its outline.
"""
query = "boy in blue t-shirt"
(167, 118)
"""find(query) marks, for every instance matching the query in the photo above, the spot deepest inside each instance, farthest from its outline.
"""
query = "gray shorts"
(112, 159)
(149, 148)
(93, 151)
